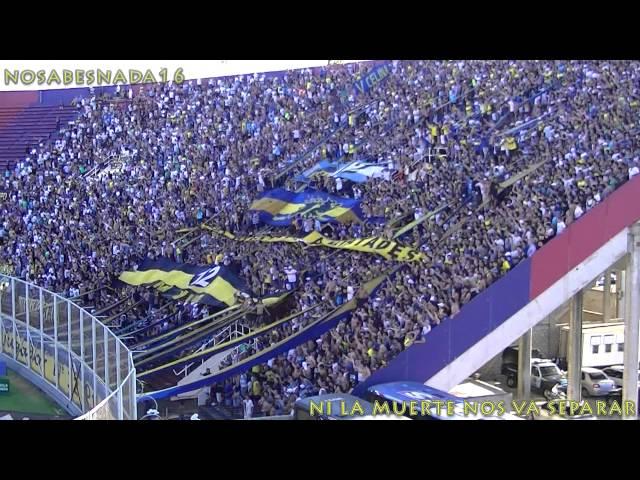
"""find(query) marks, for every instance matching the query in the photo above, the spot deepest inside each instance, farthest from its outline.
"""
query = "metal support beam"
(56, 368)
(118, 380)
(631, 325)
(70, 365)
(94, 362)
(621, 286)
(82, 363)
(574, 359)
(27, 332)
(41, 333)
(524, 366)
(105, 336)
(606, 297)
(13, 319)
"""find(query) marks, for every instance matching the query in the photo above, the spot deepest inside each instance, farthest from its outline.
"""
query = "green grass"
(26, 398)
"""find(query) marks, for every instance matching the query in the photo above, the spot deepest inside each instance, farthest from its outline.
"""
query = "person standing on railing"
(204, 396)
(248, 406)
(261, 309)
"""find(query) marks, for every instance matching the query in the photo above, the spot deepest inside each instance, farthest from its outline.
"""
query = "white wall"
(602, 358)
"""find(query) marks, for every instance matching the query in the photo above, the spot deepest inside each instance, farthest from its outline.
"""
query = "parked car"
(595, 383)
(615, 373)
(545, 376)
(510, 364)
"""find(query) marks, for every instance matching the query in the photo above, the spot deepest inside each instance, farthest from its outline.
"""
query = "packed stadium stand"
(316, 225)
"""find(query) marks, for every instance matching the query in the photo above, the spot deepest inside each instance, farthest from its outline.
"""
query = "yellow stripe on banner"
(280, 208)
(161, 286)
(180, 295)
(269, 301)
(230, 343)
(389, 249)
(271, 205)
(219, 288)
(196, 298)
(164, 287)
(366, 288)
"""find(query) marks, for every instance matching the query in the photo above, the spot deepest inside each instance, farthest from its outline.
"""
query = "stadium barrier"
(67, 350)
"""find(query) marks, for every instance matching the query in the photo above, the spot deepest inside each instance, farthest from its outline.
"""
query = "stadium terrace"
(143, 206)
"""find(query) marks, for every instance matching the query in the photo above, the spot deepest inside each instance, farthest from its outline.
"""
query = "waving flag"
(210, 284)
(358, 171)
(279, 207)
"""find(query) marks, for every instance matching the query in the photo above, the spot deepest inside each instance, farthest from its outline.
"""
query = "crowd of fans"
(116, 185)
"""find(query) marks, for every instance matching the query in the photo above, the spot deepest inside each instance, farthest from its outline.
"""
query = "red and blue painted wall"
(508, 295)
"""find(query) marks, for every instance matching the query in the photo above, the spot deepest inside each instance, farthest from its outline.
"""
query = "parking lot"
(500, 382)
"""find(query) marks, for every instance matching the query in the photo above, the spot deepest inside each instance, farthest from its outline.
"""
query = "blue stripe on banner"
(225, 346)
(309, 333)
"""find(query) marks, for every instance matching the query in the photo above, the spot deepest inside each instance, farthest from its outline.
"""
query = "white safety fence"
(69, 349)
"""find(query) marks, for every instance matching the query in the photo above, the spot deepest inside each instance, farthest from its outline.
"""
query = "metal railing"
(227, 334)
(68, 348)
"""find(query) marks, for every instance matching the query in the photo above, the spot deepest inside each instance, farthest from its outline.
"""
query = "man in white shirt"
(560, 227)
(292, 276)
(308, 225)
(247, 405)
(577, 213)
(350, 293)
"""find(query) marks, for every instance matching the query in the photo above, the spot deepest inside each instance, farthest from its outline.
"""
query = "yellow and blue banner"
(389, 249)
(279, 207)
(212, 285)
(310, 332)
(202, 355)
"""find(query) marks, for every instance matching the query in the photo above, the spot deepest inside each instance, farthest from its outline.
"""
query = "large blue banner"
(365, 83)
(279, 207)
(358, 171)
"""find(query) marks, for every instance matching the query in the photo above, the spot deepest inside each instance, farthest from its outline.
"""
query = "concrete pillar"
(574, 354)
(631, 322)
(606, 297)
(620, 289)
(524, 366)
(615, 312)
